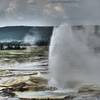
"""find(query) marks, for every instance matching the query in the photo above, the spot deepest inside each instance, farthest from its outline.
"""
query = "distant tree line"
(15, 45)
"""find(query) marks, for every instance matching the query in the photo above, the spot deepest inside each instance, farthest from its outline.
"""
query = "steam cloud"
(31, 39)
(72, 57)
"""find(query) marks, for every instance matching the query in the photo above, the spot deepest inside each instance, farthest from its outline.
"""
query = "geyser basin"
(74, 56)
(40, 95)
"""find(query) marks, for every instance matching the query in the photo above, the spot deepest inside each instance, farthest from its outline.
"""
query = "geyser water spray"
(31, 39)
(72, 57)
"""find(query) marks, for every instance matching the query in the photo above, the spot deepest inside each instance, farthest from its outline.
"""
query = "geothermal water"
(73, 59)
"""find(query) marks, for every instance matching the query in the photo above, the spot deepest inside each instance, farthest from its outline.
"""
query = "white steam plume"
(72, 59)
(31, 39)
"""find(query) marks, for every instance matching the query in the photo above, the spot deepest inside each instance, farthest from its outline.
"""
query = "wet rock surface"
(24, 76)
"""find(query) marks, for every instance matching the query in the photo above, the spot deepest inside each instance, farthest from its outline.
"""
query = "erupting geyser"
(72, 57)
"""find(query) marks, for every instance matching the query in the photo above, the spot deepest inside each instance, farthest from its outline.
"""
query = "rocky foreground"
(35, 87)
(24, 76)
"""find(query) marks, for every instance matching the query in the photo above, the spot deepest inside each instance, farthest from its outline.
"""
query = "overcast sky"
(49, 12)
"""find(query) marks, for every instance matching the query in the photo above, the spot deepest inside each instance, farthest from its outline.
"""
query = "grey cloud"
(49, 13)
